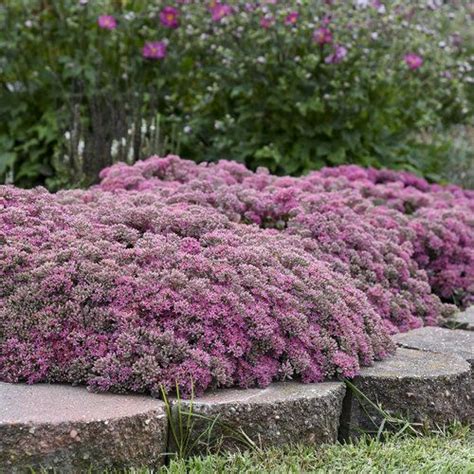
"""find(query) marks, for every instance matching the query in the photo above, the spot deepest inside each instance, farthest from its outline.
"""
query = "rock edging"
(70, 429)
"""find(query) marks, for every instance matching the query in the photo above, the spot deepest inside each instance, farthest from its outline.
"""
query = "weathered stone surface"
(423, 387)
(280, 414)
(71, 429)
(445, 341)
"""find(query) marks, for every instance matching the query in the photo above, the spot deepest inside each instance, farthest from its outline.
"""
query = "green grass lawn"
(451, 452)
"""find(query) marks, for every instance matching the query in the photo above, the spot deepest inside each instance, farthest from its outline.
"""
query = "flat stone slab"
(445, 341)
(423, 387)
(70, 429)
(278, 415)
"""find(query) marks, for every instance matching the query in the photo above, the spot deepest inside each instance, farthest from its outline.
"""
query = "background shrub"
(293, 86)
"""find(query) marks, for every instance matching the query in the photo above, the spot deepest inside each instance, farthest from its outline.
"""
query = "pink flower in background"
(322, 36)
(340, 52)
(413, 61)
(267, 21)
(378, 5)
(169, 17)
(154, 50)
(107, 22)
(220, 11)
(292, 18)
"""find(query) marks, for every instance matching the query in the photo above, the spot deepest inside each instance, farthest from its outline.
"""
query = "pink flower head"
(266, 22)
(413, 61)
(378, 5)
(154, 50)
(322, 36)
(107, 22)
(169, 17)
(292, 18)
(220, 10)
(340, 52)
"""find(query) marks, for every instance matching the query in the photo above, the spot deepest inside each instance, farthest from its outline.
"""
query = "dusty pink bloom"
(154, 50)
(413, 61)
(292, 18)
(169, 17)
(219, 11)
(267, 21)
(322, 36)
(107, 22)
(339, 53)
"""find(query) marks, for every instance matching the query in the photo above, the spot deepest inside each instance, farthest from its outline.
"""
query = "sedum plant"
(124, 293)
(171, 273)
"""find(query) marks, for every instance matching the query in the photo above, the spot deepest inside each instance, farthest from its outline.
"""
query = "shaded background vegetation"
(75, 97)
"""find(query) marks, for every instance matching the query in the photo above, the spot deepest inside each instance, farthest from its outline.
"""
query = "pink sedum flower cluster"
(123, 292)
(396, 209)
(212, 275)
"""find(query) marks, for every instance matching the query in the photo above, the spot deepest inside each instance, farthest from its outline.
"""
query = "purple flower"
(266, 22)
(339, 53)
(107, 22)
(154, 50)
(413, 61)
(219, 11)
(322, 36)
(292, 18)
(378, 5)
(169, 17)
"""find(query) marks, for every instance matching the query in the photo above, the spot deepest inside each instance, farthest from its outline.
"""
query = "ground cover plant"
(124, 293)
(212, 275)
(383, 227)
(291, 85)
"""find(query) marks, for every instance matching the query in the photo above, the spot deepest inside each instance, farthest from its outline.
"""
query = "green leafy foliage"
(79, 97)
